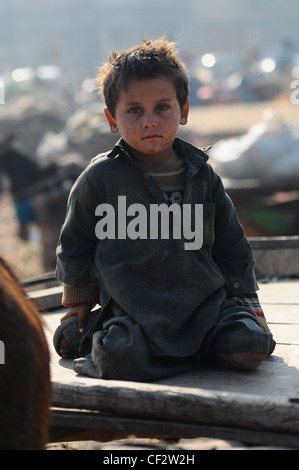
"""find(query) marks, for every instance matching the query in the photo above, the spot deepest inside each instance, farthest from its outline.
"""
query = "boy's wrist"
(78, 304)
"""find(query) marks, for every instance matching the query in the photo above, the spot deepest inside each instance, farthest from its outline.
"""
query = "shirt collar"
(193, 156)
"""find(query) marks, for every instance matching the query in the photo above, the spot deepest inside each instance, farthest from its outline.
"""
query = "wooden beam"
(276, 256)
(274, 243)
(188, 405)
(47, 299)
(74, 425)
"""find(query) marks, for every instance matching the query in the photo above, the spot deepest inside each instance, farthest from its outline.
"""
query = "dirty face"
(147, 116)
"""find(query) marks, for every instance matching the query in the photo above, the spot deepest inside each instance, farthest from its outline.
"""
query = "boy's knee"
(246, 361)
(120, 352)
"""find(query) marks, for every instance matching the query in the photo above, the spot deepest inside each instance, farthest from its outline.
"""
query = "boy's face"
(147, 116)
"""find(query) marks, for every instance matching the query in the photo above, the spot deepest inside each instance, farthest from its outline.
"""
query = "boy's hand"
(82, 311)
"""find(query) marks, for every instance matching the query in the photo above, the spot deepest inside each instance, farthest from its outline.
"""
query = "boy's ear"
(111, 121)
(184, 113)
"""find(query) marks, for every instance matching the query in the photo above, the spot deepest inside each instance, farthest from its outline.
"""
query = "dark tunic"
(174, 294)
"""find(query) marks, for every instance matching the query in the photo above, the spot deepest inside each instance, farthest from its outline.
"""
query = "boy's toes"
(65, 350)
(67, 339)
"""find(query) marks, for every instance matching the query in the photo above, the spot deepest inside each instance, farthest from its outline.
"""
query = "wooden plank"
(194, 406)
(277, 371)
(281, 313)
(277, 376)
(276, 256)
(210, 399)
(81, 425)
(285, 334)
(47, 299)
(45, 278)
(279, 292)
(274, 243)
(282, 263)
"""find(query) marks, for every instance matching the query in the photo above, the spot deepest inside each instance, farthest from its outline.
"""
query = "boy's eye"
(134, 110)
(138, 110)
(162, 107)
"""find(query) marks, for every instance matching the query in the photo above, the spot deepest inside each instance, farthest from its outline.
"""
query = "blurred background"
(243, 60)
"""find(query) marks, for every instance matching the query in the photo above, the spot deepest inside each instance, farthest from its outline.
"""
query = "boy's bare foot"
(65, 349)
(68, 348)
(245, 361)
(68, 337)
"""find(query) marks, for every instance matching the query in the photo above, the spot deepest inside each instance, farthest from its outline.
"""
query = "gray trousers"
(120, 351)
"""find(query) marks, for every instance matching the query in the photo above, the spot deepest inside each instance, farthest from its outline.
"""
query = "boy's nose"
(149, 121)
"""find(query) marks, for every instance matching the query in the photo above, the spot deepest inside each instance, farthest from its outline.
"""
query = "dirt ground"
(142, 444)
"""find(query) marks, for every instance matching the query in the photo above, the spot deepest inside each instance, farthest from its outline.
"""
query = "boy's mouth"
(151, 136)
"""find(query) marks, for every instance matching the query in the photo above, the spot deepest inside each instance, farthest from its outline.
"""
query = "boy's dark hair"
(152, 59)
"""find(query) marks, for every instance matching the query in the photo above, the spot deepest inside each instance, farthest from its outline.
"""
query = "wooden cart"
(257, 408)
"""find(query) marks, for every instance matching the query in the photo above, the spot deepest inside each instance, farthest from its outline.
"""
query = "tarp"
(268, 152)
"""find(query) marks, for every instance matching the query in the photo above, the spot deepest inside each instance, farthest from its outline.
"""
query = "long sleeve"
(77, 242)
(251, 301)
(232, 251)
(74, 295)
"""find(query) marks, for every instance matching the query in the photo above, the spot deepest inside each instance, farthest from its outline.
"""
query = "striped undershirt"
(170, 178)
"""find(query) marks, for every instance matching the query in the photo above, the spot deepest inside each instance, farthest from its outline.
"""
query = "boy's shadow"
(66, 363)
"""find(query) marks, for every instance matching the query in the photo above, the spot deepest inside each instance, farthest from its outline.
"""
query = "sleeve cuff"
(251, 301)
(240, 279)
(74, 295)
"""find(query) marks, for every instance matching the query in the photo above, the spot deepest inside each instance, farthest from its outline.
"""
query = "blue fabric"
(24, 211)
(238, 330)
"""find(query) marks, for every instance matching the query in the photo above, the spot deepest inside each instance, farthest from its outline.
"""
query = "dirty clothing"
(172, 295)
(118, 349)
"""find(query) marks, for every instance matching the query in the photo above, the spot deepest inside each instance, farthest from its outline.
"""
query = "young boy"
(166, 303)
